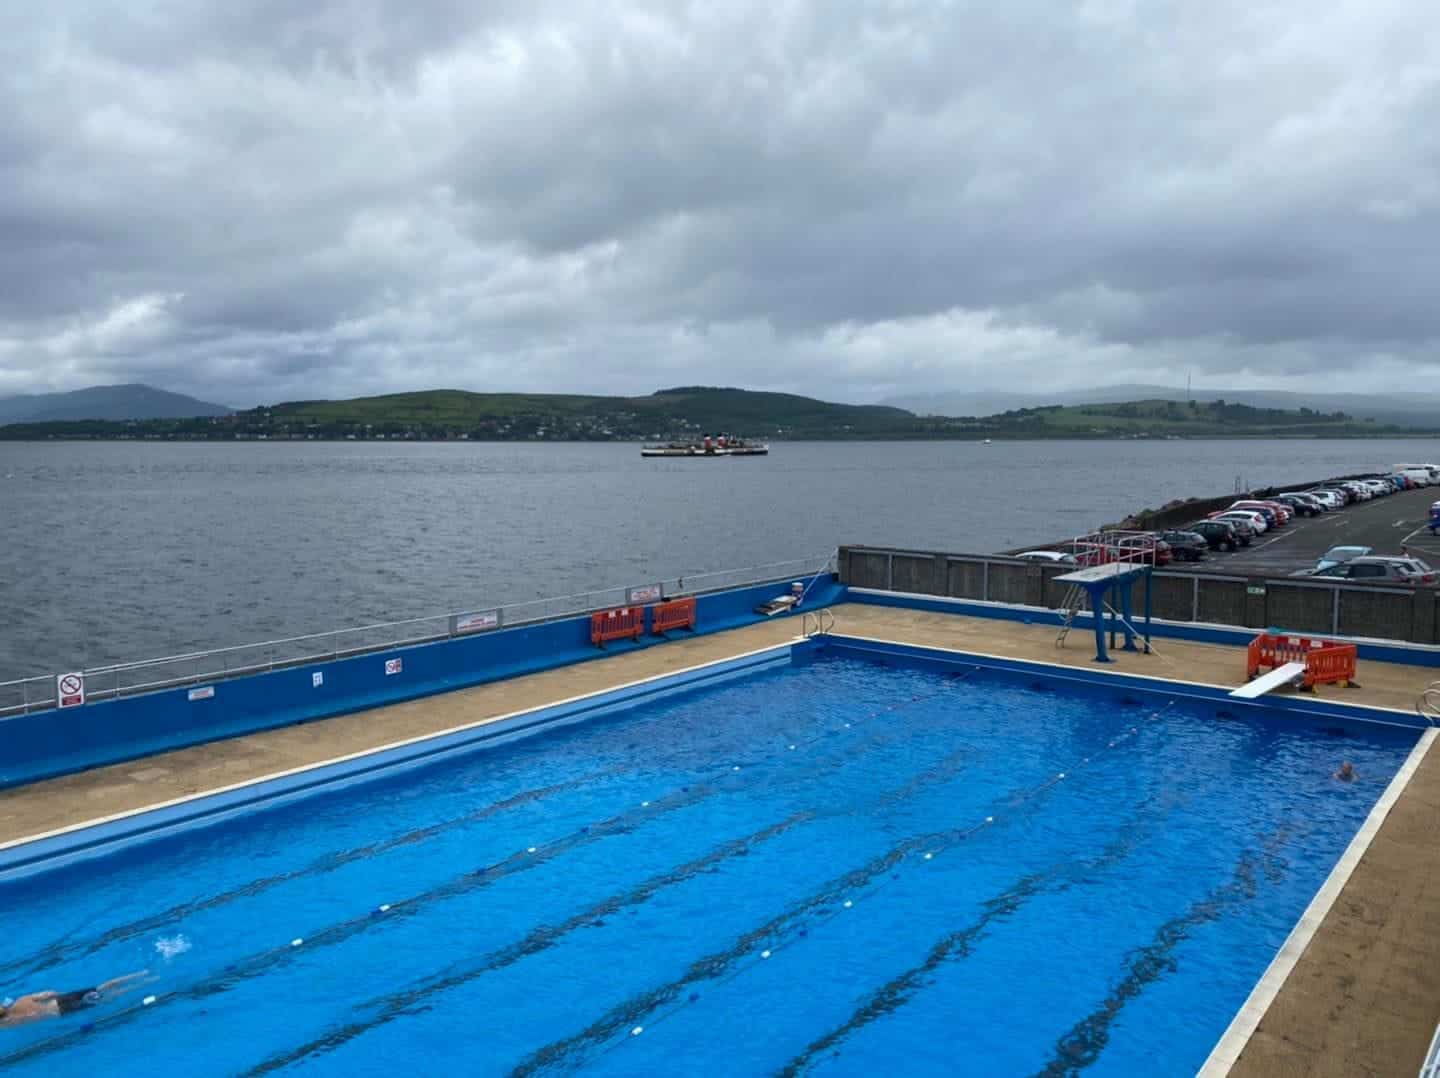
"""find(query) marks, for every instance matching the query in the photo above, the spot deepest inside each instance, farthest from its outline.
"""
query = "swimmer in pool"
(1346, 772)
(37, 1006)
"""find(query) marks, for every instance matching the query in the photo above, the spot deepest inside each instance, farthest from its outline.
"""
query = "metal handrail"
(237, 660)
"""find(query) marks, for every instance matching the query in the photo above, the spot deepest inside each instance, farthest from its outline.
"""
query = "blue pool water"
(835, 867)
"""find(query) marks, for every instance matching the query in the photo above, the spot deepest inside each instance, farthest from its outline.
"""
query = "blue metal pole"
(1126, 605)
(1097, 604)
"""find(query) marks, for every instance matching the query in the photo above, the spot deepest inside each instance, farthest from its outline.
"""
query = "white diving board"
(1281, 675)
(1096, 573)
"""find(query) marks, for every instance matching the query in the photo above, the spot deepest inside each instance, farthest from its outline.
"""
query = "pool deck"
(1362, 999)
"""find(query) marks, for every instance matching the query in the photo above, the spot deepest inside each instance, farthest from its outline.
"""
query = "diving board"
(1095, 574)
(1281, 675)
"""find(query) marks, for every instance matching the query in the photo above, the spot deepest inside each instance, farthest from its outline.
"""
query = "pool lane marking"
(393, 745)
(397, 1004)
(956, 945)
(599, 1037)
(1082, 1045)
(61, 951)
(338, 932)
(1233, 1041)
(540, 938)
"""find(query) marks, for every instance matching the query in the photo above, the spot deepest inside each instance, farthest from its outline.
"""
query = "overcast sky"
(262, 200)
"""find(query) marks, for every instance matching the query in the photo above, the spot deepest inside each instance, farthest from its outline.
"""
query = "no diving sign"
(70, 689)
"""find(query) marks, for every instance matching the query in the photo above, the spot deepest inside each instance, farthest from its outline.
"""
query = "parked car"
(1359, 490)
(1273, 517)
(1053, 557)
(1336, 555)
(1139, 547)
(1378, 487)
(1219, 534)
(1381, 570)
(1338, 499)
(1257, 521)
(1186, 545)
(1303, 504)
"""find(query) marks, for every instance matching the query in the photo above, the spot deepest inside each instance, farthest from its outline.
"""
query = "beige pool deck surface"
(1363, 998)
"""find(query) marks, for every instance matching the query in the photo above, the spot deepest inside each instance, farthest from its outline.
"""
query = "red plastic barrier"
(1327, 664)
(627, 621)
(676, 614)
(1325, 661)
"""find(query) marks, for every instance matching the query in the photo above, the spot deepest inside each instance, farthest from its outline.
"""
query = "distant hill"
(691, 411)
(668, 413)
(1419, 410)
(1167, 418)
(122, 402)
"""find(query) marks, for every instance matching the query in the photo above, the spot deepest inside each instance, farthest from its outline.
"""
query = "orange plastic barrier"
(1325, 661)
(627, 621)
(676, 614)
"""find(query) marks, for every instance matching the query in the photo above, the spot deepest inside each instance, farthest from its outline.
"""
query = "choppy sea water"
(117, 550)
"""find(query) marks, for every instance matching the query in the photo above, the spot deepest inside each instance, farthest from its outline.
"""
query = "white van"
(1424, 475)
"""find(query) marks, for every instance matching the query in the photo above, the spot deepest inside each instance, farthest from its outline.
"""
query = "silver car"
(1380, 570)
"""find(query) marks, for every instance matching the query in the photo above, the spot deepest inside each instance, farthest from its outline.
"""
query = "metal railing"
(24, 695)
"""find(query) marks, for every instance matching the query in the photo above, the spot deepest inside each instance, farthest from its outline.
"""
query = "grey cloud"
(357, 195)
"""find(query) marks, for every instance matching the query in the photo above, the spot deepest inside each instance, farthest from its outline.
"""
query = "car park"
(1219, 534)
(1186, 545)
(1380, 570)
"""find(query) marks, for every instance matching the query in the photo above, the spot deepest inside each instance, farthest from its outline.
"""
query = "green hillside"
(691, 411)
(1177, 418)
(670, 412)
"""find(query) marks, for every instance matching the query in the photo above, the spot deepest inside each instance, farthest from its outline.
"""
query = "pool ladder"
(1073, 602)
(824, 622)
(1427, 705)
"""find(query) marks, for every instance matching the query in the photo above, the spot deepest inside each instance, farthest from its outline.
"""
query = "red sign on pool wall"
(70, 690)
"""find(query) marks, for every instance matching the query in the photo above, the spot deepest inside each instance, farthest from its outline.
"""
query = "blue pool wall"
(46, 744)
(1323, 713)
(72, 847)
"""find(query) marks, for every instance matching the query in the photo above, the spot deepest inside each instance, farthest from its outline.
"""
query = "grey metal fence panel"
(1008, 581)
(868, 570)
(965, 579)
(914, 573)
(1375, 613)
(1222, 601)
(1298, 608)
(1171, 597)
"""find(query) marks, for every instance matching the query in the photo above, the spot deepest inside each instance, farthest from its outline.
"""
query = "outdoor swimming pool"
(837, 866)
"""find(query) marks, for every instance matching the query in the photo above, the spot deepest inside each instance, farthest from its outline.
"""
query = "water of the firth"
(116, 551)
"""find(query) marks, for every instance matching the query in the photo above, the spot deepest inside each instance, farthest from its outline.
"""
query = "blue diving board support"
(1099, 581)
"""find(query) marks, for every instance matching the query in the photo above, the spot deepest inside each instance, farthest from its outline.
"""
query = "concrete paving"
(1363, 998)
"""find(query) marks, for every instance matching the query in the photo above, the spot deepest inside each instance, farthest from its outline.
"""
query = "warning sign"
(393, 666)
(70, 689)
